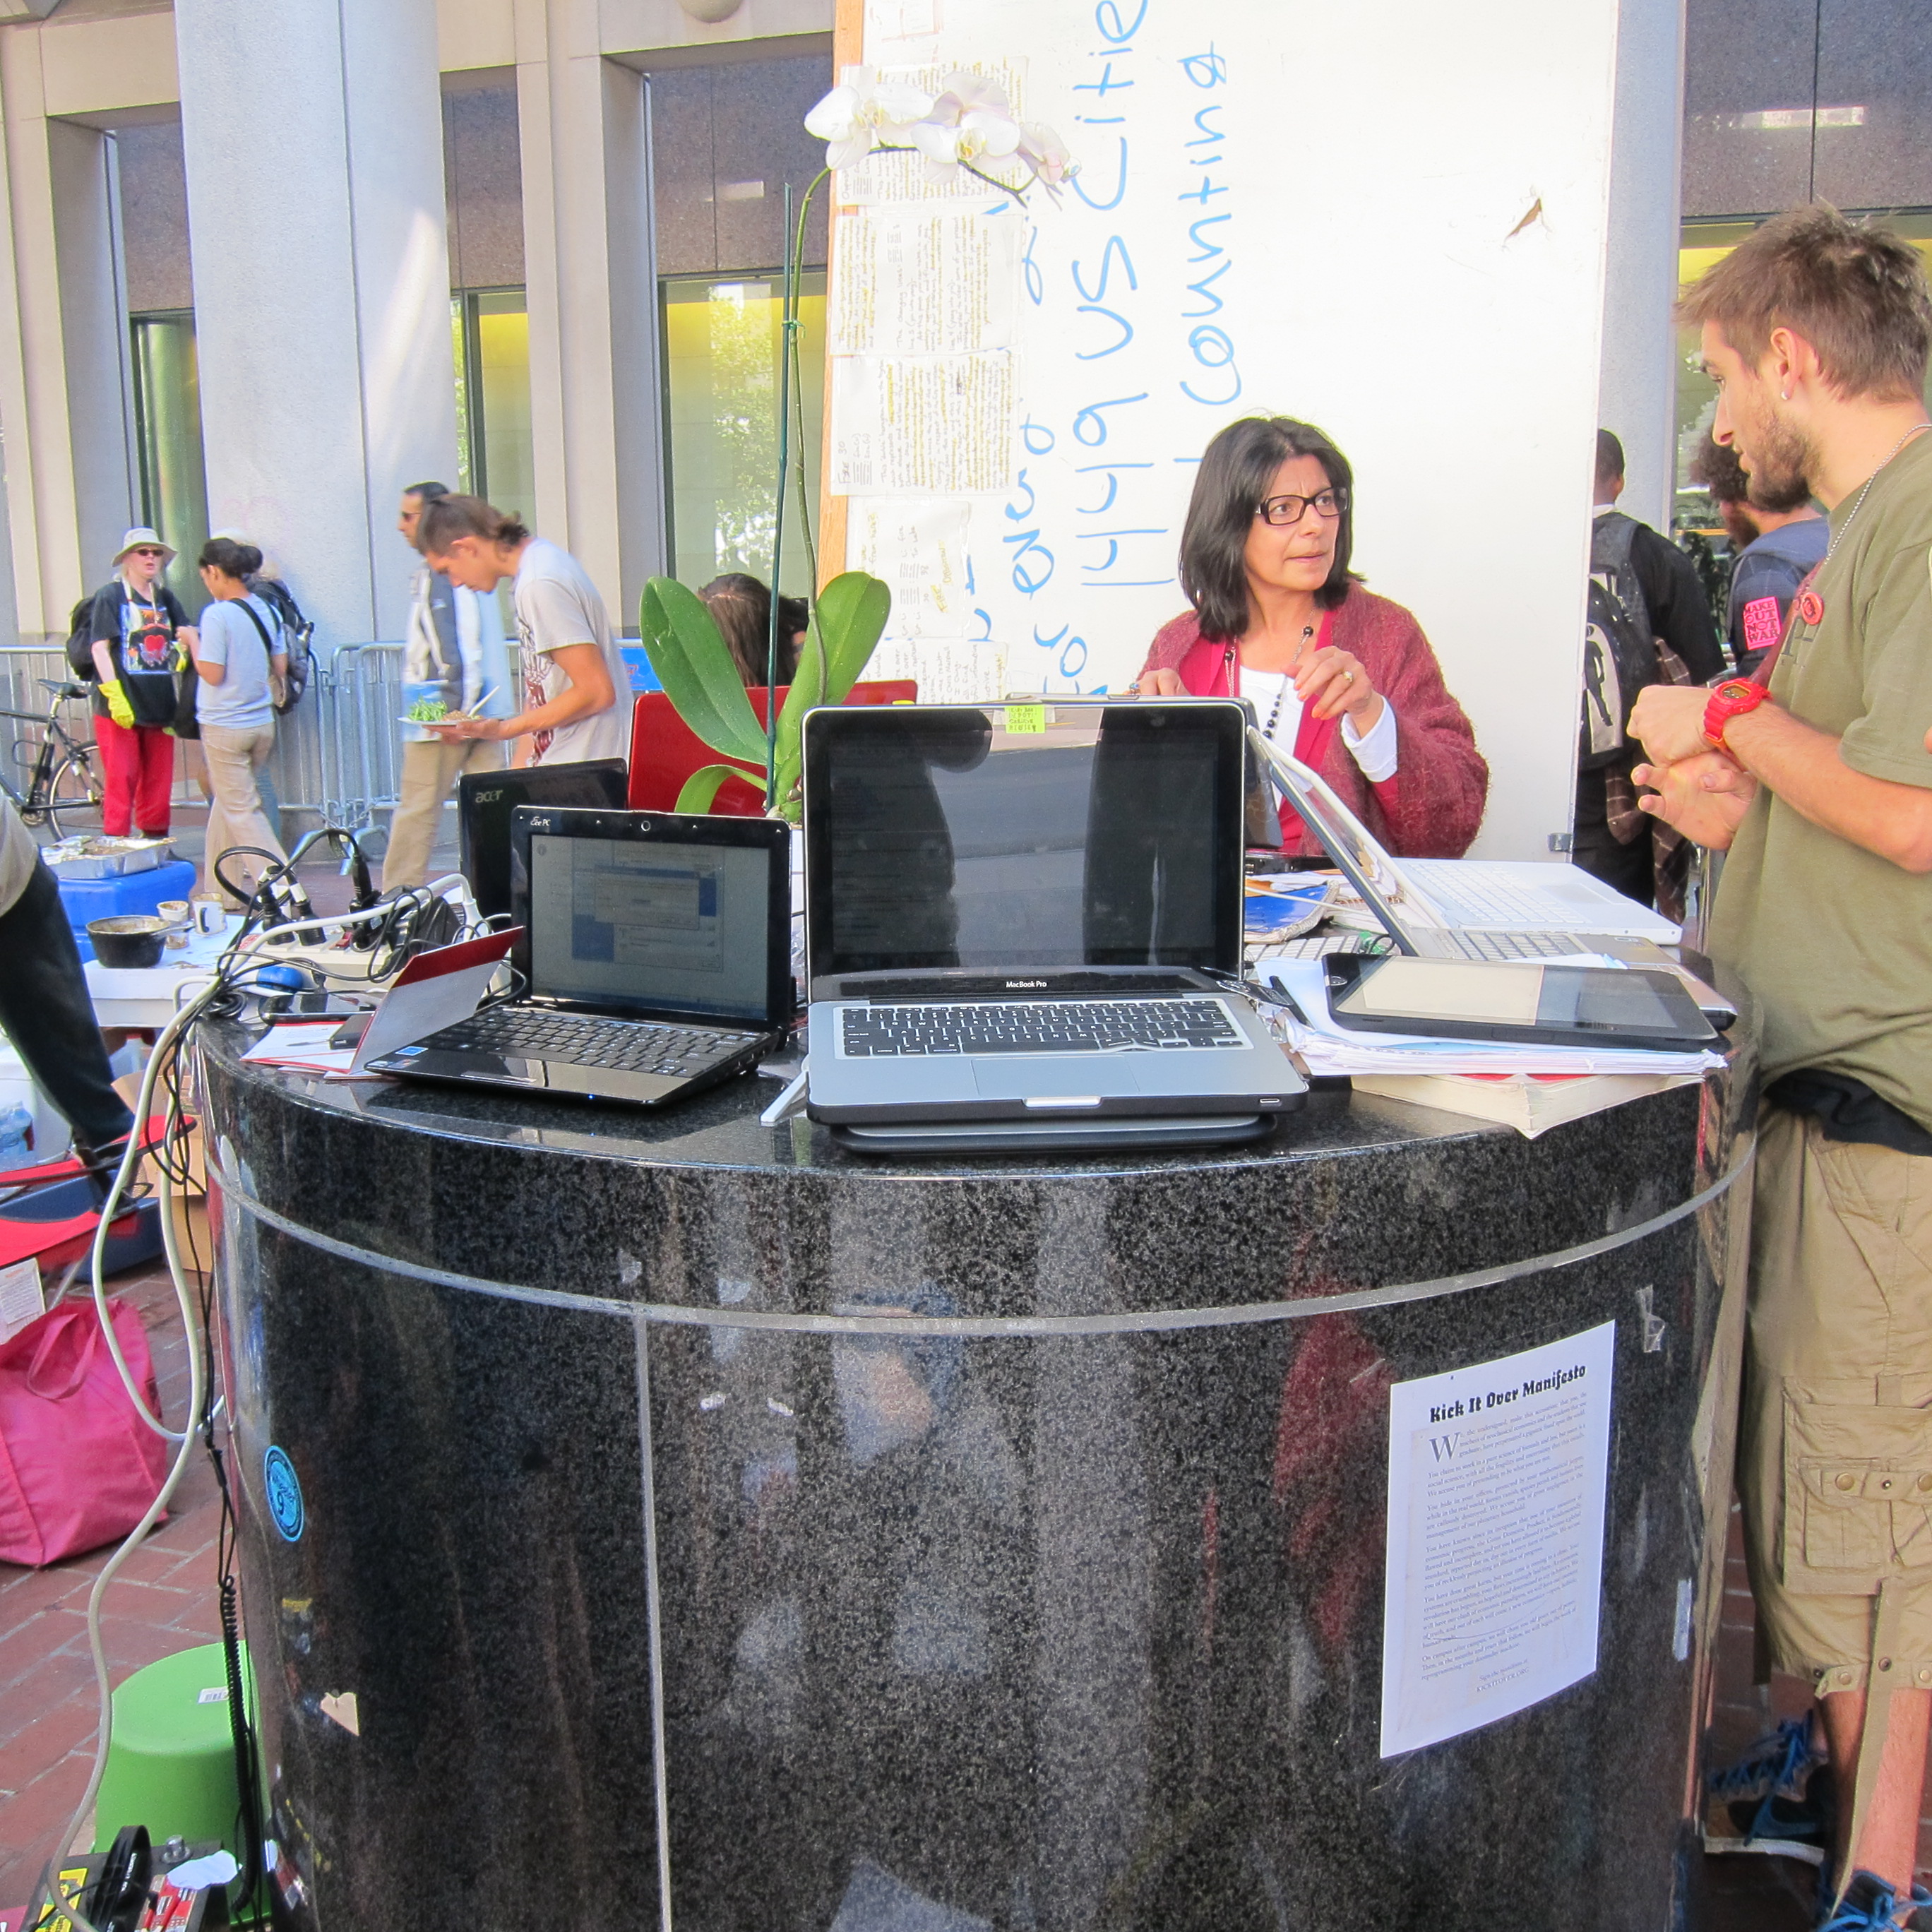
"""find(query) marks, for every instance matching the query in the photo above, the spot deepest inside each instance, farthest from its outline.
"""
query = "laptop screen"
(486, 799)
(1044, 835)
(661, 924)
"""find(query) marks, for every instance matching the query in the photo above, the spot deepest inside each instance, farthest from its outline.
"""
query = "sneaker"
(1779, 1798)
(1870, 1905)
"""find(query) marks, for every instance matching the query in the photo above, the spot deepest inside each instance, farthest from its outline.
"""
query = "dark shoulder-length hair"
(1236, 470)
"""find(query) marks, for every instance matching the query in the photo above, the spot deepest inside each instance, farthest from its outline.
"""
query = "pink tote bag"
(78, 1467)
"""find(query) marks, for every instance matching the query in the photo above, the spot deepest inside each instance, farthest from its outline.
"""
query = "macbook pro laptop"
(656, 952)
(1472, 895)
(486, 799)
(1014, 919)
(1421, 922)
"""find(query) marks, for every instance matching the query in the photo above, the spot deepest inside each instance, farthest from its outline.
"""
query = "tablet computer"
(1525, 1001)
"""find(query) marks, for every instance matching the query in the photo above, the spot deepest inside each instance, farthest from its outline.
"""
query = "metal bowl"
(131, 939)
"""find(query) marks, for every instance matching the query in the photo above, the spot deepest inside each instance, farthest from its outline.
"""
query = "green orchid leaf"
(701, 789)
(681, 638)
(847, 622)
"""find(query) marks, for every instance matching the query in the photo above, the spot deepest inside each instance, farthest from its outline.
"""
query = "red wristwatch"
(1731, 699)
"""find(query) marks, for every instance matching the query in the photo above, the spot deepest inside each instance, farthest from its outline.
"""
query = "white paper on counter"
(1499, 1475)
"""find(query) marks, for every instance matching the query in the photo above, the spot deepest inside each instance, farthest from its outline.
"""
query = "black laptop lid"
(485, 800)
(1047, 836)
(655, 912)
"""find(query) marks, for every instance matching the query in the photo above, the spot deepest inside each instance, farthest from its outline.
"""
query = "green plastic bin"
(171, 1763)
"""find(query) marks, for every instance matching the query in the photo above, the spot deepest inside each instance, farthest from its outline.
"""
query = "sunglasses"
(147, 553)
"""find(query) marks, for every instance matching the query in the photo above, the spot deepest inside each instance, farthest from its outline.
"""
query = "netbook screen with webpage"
(1043, 836)
(662, 926)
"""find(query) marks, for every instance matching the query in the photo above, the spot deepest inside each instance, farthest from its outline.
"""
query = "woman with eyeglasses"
(1344, 680)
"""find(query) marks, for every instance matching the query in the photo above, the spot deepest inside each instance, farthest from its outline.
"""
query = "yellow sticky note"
(1021, 718)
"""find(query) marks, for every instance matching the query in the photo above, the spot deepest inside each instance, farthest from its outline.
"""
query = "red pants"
(137, 769)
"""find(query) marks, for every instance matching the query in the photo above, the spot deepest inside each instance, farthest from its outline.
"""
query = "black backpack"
(298, 637)
(1619, 647)
(80, 641)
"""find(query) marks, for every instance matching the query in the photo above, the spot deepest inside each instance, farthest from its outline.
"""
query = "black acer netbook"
(486, 799)
(656, 947)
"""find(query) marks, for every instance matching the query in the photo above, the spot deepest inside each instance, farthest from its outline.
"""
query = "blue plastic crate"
(132, 893)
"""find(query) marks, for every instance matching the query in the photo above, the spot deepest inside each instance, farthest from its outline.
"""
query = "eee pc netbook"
(657, 951)
(1014, 923)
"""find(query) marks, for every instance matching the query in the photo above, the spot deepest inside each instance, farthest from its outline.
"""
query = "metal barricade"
(337, 754)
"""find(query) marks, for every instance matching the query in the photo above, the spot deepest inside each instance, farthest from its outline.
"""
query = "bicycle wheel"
(74, 801)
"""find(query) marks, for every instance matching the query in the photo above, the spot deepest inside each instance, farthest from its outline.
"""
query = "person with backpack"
(237, 655)
(1647, 622)
(136, 634)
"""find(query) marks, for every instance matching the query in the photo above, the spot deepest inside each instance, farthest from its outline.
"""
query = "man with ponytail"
(576, 689)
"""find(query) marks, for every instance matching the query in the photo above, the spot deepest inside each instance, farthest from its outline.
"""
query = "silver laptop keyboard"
(580, 1040)
(1518, 945)
(1470, 902)
(1050, 1026)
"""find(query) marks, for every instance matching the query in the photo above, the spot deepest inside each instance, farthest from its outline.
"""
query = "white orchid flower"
(1047, 155)
(865, 112)
(970, 124)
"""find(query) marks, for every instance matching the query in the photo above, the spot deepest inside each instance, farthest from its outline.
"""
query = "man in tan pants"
(455, 655)
(1818, 781)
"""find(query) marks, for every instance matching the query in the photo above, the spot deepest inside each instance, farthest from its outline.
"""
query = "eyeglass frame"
(1338, 491)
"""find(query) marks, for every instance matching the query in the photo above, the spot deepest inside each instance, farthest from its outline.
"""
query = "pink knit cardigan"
(1432, 806)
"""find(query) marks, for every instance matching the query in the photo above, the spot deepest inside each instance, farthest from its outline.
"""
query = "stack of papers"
(304, 1045)
(1328, 1048)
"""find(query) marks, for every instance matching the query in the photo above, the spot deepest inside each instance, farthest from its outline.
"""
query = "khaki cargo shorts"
(1835, 1449)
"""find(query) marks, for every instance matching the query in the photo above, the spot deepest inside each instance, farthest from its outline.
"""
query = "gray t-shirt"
(241, 701)
(557, 605)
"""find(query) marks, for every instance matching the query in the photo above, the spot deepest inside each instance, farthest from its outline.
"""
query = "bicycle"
(63, 789)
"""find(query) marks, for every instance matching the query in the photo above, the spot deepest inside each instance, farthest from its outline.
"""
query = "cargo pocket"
(1857, 1493)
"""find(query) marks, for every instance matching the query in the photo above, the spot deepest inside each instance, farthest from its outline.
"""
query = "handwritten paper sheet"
(920, 549)
(947, 670)
(915, 283)
(1498, 1478)
(935, 426)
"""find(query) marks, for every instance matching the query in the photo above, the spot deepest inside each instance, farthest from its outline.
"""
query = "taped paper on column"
(913, 282)
(941, 426)
(1498, 1478)
(919, 551)
(947, 670)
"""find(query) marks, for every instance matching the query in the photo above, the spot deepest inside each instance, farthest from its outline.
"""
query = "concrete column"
(312, 136)
(65, 394)
(1637, 397)
(590, 260)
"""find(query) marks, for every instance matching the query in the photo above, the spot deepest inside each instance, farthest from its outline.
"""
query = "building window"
(167, 422)
(491, 328)
(721, 339)
(728, 143)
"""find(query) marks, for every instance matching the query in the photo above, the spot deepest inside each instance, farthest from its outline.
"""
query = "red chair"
(665, 751)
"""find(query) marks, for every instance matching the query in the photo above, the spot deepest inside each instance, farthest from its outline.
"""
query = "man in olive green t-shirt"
(1819, 782)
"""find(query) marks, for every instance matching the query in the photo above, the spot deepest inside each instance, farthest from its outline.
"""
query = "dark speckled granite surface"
(850, 1628)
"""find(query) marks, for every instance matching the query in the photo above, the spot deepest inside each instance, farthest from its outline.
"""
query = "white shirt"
(1273, 695)
(557, 605)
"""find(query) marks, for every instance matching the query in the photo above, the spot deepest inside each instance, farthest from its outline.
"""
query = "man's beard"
(1780, 460)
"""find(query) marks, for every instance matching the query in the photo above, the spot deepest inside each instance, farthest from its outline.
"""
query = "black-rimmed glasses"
(1284, 511)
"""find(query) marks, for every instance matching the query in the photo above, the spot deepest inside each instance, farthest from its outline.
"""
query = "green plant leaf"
(695, 668)
(700, 789)
(847, 621)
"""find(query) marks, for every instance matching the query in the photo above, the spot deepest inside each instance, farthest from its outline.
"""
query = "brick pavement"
(163, 1600)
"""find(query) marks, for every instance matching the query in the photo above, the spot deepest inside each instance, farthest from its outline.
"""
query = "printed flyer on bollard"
(1499, 1475)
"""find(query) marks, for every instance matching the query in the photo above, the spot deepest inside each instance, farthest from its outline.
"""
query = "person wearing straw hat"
(140, 636)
